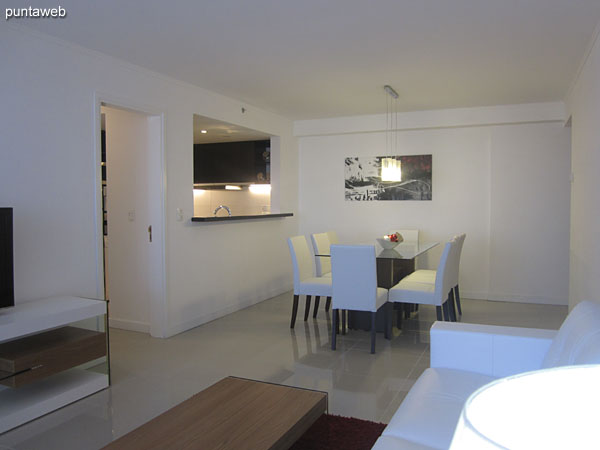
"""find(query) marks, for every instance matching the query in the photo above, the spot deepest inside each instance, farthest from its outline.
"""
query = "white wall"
(48, 174)
(529, 213)
(242, 202)
(584, 107)
(505, 185)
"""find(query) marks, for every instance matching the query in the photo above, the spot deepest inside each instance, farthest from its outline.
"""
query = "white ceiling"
(218, 131)
(324, 58)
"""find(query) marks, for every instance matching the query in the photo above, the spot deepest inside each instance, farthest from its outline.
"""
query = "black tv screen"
(7, 284)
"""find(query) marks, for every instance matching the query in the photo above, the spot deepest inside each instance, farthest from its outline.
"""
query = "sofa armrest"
(488, 349)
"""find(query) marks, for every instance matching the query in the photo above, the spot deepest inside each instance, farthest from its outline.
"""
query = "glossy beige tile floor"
(151, 375)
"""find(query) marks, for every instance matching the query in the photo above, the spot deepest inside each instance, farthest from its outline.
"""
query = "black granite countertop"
(230, 218)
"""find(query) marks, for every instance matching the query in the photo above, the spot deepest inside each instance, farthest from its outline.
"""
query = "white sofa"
(466, 356)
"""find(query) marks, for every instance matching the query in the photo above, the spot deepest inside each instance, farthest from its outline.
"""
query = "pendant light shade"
(391, 168)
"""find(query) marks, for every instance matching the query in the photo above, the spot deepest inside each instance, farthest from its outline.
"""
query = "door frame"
(158, 306)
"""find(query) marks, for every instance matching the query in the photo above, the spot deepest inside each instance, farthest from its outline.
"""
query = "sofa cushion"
(578, 339)
(430, 411)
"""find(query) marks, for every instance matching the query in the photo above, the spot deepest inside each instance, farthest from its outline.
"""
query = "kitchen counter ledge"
(248, 217)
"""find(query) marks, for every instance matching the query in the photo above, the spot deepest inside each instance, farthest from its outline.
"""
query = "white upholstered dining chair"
(409, 236)
(354, 275)
(333, 237)
(414, 288)
(456, 271)
(321, 244)
(429, 276)
(305, 283)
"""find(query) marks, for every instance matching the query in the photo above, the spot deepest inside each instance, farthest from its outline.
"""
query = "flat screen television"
(7, 284)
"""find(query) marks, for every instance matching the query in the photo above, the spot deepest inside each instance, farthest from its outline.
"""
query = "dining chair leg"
(347, 317)
(399, 309)
(438, 310)
(389, 310)
(457, 297)
(307, 308)
(373, 331)
(446, 311)
(328, 304)
(316, 309)
(344, 314)
(334, 328)
(451, 305)
(294, 311)
(337, 321)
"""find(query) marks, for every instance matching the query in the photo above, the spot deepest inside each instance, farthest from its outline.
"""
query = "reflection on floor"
(151, 375)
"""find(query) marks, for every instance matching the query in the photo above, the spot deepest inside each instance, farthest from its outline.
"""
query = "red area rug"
(336, 432)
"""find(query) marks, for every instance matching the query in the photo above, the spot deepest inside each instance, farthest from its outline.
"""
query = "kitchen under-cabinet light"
(260, 188)
(230, 187)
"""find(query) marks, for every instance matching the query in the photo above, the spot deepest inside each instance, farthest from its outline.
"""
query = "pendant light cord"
(391, 121)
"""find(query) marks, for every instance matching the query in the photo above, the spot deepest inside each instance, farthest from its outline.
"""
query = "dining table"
(392, 265)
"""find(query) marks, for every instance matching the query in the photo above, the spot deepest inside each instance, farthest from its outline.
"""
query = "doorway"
(131, 259)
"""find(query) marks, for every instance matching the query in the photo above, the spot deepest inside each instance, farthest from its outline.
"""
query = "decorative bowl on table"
(389, 241)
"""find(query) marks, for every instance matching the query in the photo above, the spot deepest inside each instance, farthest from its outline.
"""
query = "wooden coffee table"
(234, 413)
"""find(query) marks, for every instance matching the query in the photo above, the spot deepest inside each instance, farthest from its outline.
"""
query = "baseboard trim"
(473, 295)
(129, 325)
(514, 298)
(527, 299)
(205, 318)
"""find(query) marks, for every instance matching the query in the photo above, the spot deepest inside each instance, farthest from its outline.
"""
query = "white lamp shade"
(391, 169)
(545, 409)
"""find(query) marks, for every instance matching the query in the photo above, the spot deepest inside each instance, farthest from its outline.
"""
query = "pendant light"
(391, 169)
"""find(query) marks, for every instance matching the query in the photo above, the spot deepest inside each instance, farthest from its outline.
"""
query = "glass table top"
(404, 250)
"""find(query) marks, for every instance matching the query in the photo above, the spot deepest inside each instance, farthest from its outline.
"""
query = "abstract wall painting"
(363, 179)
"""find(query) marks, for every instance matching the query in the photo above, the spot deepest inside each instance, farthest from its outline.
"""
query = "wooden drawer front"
(44, 354)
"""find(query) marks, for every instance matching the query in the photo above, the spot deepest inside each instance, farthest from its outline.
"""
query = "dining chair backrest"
(410, 236)
(354, 277)
(320, 242)
(301, 259)
(455, 264)
(333, 237)
(443, 276)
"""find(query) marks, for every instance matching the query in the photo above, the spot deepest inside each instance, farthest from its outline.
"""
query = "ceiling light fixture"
(203, 131)
(391, 168)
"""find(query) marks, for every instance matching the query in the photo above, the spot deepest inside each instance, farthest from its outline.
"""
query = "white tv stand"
(48, 393)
